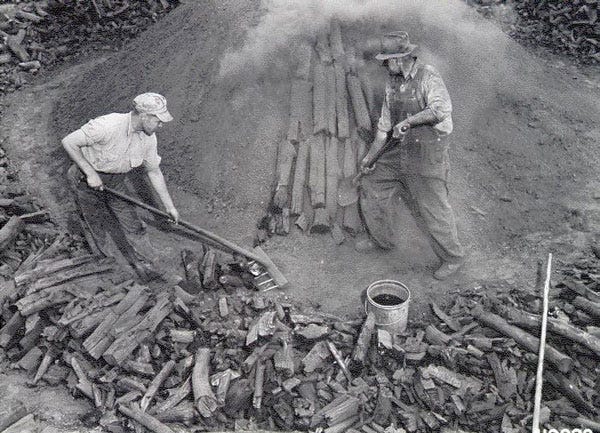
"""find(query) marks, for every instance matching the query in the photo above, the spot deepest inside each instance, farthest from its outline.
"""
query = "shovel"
(348, 187)
(270, 276)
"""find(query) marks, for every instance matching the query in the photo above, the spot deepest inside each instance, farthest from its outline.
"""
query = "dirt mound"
(524, 153)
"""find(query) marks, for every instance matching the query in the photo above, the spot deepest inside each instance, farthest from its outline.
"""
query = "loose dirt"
(524, 176)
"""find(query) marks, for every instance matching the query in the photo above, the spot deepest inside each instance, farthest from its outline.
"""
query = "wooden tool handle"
(230, 246)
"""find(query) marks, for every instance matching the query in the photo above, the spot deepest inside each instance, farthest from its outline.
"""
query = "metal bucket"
(388, 300)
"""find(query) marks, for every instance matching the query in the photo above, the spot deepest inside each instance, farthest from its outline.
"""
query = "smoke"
(473, 55)
(442, 24)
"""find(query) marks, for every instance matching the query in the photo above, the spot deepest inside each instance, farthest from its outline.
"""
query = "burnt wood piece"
(175, 397)
(320, 114)
(191, 262)
(155, 384)
(144, 419)
(336, 43)
(362, 345)
(339, 359)
(125, 344)
(209, 268)
(332, 176)
(204, 399)
(49, 357)
(284, 360)
(286, 152)
(10, 231)
(84, 385)
(14, 324)
(341, 102)
(183, 413)
(82, 309)
(300, 93)
(452, 323)
(45, 268)
(359, 106)
(300, 178)
(569, 390)
(39, 301)
(317, 171)
(259, 378)
(331, 102)
(589, 307)
(558, 327)
(103, 336)
(561, 361)
(103, 265)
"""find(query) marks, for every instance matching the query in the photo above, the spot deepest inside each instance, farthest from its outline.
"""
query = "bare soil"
(524, 158)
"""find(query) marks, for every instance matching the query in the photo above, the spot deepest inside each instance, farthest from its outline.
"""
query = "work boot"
(365, 246)
(448, 268)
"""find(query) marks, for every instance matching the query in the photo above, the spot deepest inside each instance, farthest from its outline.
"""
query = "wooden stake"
(540, 369)
(10, 231)
(341, 102)
(300, 178)
(144, 419)
(333, 171)
(320, 123)
(317, 171)
(155, 384)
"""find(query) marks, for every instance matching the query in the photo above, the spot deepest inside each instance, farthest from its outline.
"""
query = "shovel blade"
(347, 192)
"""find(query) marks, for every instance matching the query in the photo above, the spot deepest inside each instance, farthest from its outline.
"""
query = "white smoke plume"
(441, 25)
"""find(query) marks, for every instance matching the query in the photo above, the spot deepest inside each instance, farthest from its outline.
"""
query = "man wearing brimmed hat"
(104, 150)
(417, 111)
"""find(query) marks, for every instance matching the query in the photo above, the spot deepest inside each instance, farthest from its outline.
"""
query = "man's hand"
(400, 129)
(174, 213)
(93, 180)
(366, 165)
(281, 196)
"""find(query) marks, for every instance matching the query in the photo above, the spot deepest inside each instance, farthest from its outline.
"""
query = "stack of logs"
(330, 123)
(35, 35)
(569, 27)
(229, 358)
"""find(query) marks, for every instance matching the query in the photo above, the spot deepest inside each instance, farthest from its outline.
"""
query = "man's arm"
(437, 101)
(158, 183)
(384, 125)
(73, 143)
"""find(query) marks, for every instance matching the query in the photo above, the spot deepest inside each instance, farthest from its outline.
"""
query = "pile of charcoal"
(231, 357)
(37, 34)
(566, 27)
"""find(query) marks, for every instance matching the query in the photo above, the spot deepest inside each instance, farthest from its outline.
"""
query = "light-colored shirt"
(113, 147)
(431, 94)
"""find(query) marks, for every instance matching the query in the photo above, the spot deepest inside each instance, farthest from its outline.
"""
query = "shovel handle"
(213, 237)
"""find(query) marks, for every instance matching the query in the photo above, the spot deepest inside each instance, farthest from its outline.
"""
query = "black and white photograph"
(324, 216)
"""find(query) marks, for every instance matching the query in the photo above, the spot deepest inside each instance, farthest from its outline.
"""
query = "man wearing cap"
(104, 150)
(417, 111)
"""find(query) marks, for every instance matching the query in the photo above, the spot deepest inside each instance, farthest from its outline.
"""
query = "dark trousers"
(426, 199)
(105, 215)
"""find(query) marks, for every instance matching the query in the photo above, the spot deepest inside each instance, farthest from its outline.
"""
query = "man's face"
(398, 64)
(150, 123)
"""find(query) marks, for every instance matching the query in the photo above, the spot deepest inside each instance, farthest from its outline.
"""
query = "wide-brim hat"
(153, 103)
(394, 45)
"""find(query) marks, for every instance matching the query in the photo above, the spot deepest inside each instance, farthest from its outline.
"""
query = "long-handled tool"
(266, 274)
(348, 187)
